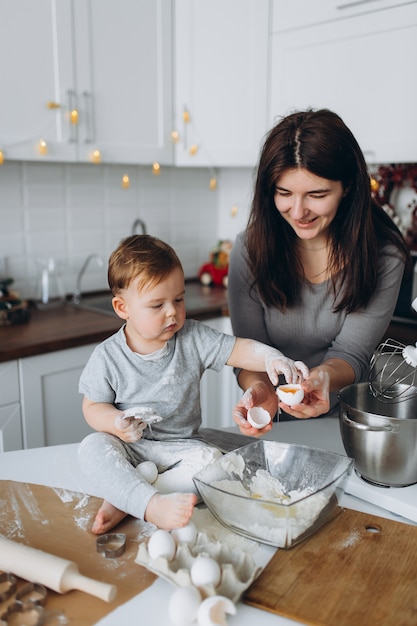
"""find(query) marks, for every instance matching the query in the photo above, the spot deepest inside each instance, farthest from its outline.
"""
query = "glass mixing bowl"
(274, 493)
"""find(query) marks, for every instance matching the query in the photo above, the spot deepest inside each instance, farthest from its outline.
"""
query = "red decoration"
(215, 272)
(384, 182)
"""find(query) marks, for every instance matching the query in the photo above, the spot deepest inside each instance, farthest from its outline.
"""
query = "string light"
(175, 136)
(74, 117)
(125, 181)
(186, 116)
(193, 149)
(95, 156)
(37, 144)
(156, 169)
(213, 183)
(234, 210)
(374, 184)
(42, 147)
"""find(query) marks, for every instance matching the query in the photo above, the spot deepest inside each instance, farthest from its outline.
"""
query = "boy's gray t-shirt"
(170, 385)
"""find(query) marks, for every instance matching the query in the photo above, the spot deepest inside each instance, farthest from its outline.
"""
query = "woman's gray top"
(311, 331)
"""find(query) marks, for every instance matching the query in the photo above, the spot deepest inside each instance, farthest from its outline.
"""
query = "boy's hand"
(293, 371)
(146, 414)
(128, 429)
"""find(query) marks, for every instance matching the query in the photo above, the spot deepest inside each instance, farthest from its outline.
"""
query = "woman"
(317, 272)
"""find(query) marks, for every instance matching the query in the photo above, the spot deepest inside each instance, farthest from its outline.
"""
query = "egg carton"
(238, 568)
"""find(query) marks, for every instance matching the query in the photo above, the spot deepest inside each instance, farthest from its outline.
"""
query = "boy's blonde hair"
(141, 255)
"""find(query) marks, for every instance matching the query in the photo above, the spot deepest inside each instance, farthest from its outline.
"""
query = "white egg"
(205, 571)
(183, 605)
(186, 534)
(212, 611)
(162, 544)
(148, 471)
(290, 394)
(258, 417)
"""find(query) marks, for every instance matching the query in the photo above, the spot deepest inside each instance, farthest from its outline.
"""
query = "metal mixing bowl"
(380, 437)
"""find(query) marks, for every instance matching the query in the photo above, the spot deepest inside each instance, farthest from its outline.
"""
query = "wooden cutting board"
(358, 570)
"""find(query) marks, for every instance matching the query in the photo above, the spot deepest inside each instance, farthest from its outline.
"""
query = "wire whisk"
(393, 372)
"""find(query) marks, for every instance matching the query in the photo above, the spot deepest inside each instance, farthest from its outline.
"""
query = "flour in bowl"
(265, 509)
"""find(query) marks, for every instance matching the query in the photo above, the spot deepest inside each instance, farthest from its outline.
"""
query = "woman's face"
(307, 202)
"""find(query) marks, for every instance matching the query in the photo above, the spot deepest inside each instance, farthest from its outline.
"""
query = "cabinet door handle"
(73, 115)
(89, 117)
(354, 3)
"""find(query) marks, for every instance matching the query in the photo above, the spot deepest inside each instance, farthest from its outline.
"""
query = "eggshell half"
(290, 394)
(162, 544)
(205, 571)
(183, 605)
(212, 611)
(258, 417)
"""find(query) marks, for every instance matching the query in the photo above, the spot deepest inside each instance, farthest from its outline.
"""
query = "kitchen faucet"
(141, 223)
(76, 296)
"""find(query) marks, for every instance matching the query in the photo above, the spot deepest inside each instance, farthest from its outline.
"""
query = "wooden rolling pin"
(49, 570)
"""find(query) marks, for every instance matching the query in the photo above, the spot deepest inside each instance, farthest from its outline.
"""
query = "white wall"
(69, 211)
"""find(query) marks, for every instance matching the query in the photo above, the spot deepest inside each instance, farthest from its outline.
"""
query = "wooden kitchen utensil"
(52, 571)
(357, 569)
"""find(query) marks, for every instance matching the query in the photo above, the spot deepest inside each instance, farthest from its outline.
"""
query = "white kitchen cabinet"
(221, 71)
(10, 420)
(295, 14)
(361, 67)
(107, 62)
(36, 68)
(219, 390)
(50, 402)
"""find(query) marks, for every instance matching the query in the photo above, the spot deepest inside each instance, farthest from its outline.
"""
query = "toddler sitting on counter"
(150, 371)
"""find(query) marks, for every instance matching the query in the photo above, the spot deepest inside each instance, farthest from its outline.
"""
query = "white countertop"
(56, 466)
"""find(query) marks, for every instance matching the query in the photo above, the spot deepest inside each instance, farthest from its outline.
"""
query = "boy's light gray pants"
(110, 465)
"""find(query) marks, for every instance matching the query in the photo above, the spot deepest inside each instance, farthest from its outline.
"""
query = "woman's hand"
(128, 429)
(258, 394)
(316, 396)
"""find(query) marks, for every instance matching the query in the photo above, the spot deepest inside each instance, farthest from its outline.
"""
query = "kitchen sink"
(201, 302)
(98, 303)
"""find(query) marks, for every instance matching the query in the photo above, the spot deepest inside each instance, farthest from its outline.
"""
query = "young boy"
(153, 365)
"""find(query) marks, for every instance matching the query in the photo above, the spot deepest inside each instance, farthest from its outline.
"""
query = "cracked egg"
(290, 394)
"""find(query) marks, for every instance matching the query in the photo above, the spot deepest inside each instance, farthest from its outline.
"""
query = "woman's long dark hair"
(320, 142)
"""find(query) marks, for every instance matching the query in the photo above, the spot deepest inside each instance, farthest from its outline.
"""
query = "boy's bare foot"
(171, 510)
(107, 518)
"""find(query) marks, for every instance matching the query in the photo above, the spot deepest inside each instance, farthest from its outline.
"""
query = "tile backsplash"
(68, 211)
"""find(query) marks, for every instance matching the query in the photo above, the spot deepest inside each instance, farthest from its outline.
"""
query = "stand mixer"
(393, 370)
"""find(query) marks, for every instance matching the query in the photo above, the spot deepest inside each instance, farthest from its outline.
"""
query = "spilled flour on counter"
(350, 541)
(14, 507)
(82, 517)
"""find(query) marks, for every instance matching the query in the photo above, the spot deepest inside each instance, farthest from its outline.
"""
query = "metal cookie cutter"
(111, 545)
(17, 612)
(32, 593)
(8, 581)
